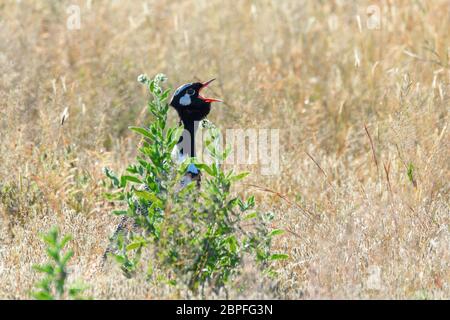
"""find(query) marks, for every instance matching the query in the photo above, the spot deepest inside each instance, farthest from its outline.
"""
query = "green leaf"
(174, 136)
(151, 86)
(41, 295)
(410, 173)
(215, 169)
(111, 176)
(132, 169)
(64, 241)
(232, 242)
(172, 283)
(47, 268)
(149, 196)
(276, 232)
(124, 179)
(165, 94)
(67, 257)
(53, 253)
(117, 196)
(51, 237)
(141, 131)
(251, 216)
(205, 167)
(239, 176)
(251, 201)
(119, 259)
(119, 212)
(76, 290)
(279, 256)
(135, 245)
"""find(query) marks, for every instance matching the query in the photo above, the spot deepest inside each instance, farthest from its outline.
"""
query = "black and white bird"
(192, 108)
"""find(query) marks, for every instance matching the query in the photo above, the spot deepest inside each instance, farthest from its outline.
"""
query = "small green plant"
(53, 286)
(410, 172)
(196, 236)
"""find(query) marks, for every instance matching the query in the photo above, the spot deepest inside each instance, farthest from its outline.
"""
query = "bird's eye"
(190, 91)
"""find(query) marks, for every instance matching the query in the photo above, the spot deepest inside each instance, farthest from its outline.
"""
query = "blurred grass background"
(363, 114)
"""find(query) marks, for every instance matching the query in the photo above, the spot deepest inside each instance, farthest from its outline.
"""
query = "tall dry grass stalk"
(363, 113)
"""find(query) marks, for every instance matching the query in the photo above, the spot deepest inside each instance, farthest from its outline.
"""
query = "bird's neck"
(191, 127)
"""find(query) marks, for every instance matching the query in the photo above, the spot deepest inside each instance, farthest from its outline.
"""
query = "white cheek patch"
(185, 100)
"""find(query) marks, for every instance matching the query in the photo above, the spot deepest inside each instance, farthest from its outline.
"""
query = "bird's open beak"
(204, 85)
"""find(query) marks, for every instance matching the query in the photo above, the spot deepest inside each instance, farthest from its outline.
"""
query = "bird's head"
(190, 104)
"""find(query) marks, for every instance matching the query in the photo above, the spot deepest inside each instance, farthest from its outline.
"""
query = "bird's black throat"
(190, 117)
(187, 140)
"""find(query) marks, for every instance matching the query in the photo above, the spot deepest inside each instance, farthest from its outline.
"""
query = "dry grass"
(356, 108)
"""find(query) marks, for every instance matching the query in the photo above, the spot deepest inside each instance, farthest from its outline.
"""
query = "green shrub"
(195, 236)
(53, 285)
